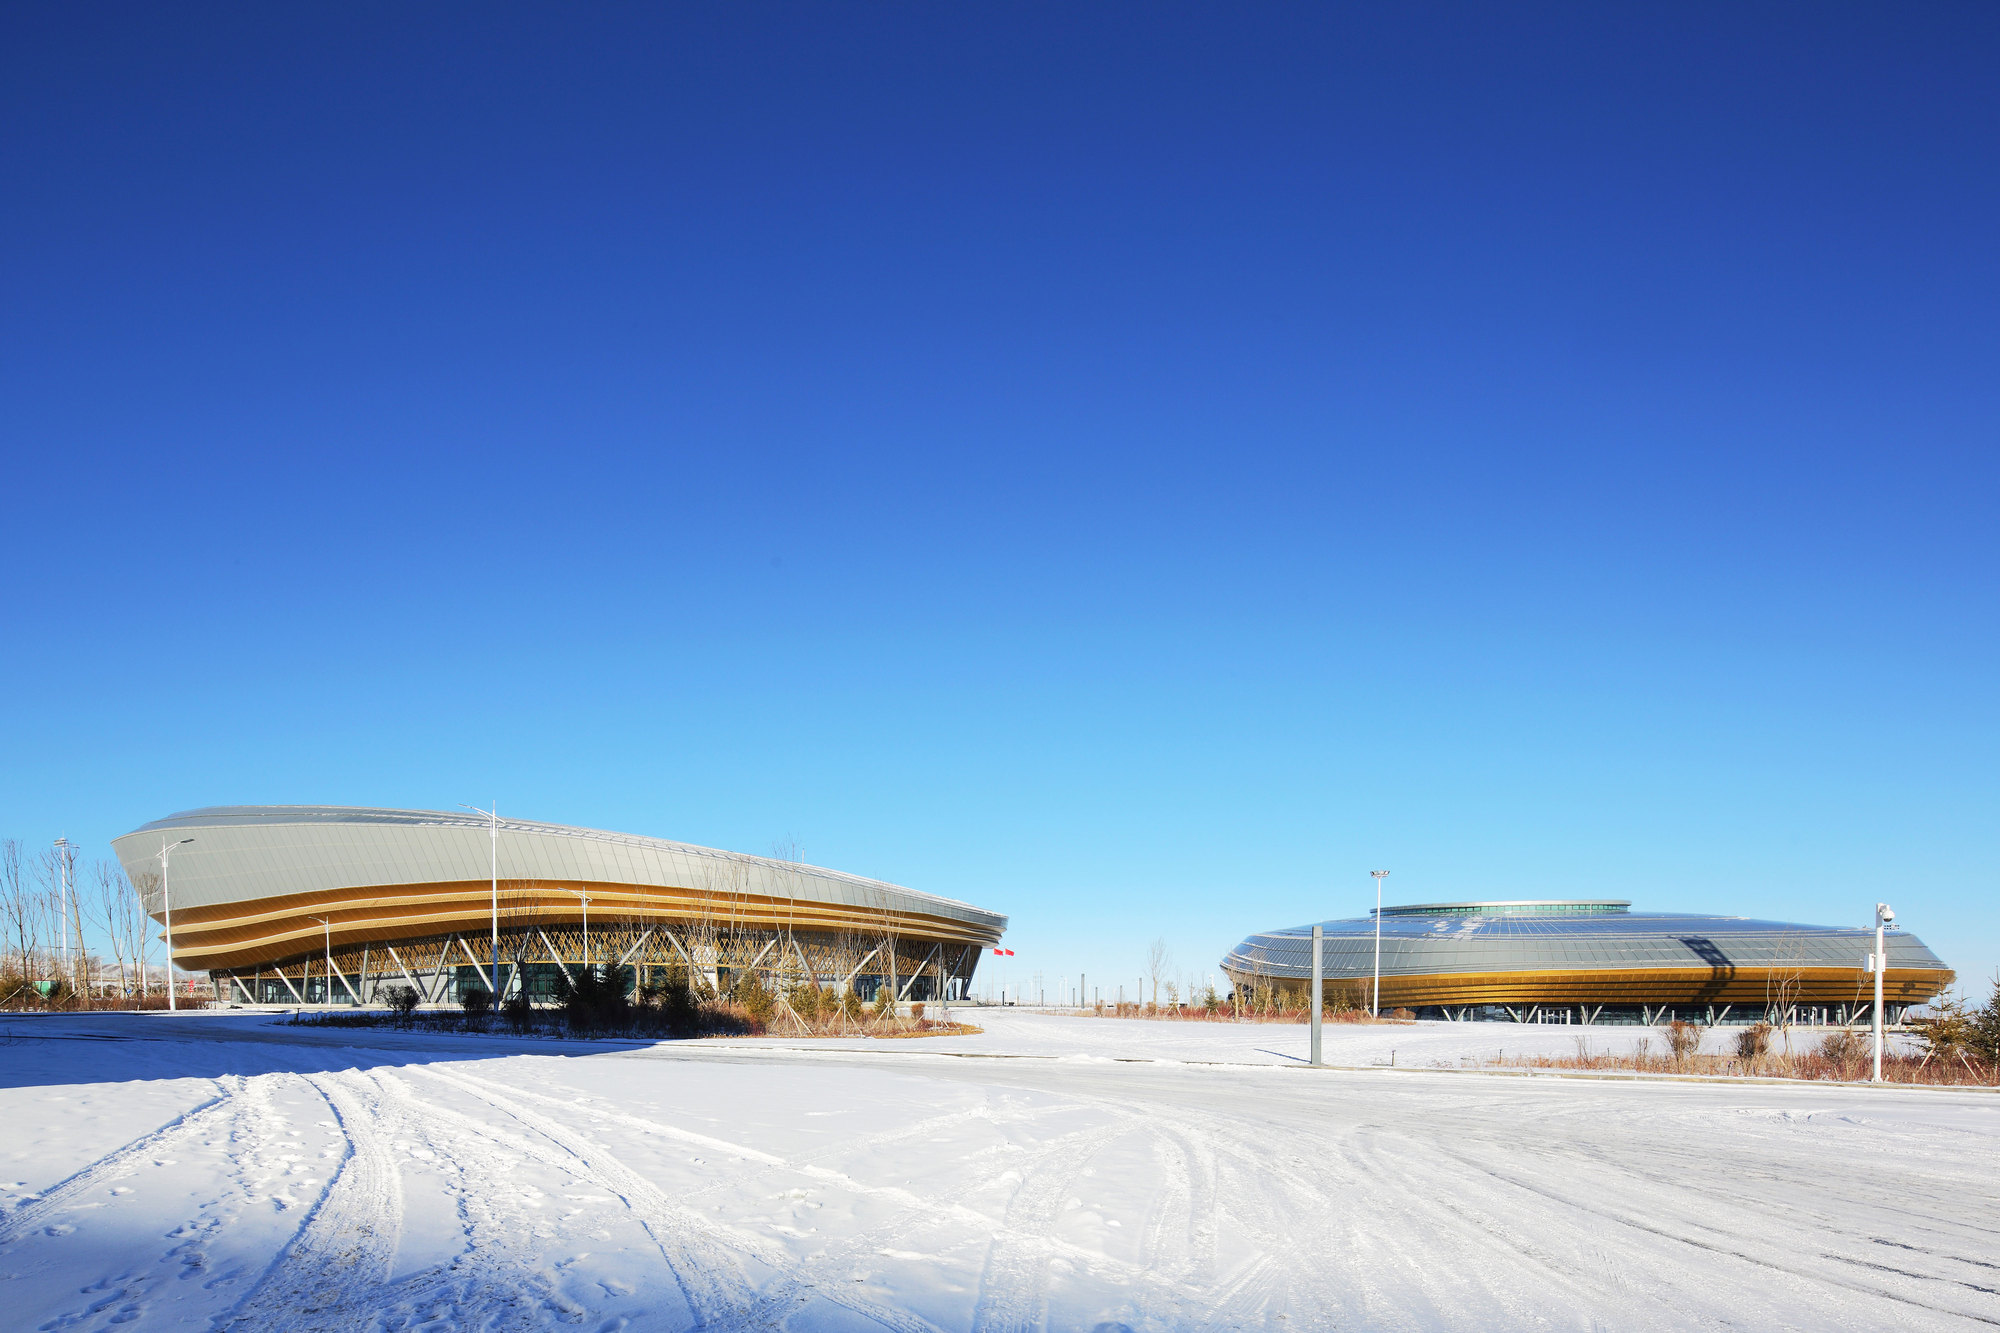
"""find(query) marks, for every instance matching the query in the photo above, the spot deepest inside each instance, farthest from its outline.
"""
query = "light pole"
(1375, 1006)
(1885, 916)
(327, 925)
(65, 851)
(493, 829)
(583, 898)
(167, 913)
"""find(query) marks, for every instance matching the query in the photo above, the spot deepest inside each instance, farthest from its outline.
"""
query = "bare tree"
(113, 905)
(1159, 963)
(1784, 981)
(15, 902)
(146, 888)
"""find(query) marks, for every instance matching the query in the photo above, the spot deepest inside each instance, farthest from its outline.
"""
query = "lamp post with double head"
(493, 864)
(167, 912)
(326, 924)
(1375, 1005)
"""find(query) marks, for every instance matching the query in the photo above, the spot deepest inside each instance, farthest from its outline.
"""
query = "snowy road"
(221, 1172)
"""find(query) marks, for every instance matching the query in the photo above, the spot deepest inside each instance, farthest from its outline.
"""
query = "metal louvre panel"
(1596, 942)
(244, 853)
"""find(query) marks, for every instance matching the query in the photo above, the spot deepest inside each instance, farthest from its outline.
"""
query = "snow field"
(222, 1172)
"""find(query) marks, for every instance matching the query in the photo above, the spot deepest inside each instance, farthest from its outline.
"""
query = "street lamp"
(1885, 916)
(493, 827)
(583, 898)
(1375, 1008)
(167, 913)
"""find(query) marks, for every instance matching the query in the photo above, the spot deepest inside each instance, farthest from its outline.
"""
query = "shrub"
(477, 1003)
(1986, 1027)
(917, 1011)
(1753, 1042)
(758, 1003)
(885, 1002)
(594, 999)
(1683, 1039)
(728, 1018)
(671, 1004)
(1950, 1032)
(808, 1001)
(1844, 1048)
(401, 1000)
(518, 1012)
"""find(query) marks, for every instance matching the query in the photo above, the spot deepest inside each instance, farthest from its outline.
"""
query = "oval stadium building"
(316, 904)
(1594, 961)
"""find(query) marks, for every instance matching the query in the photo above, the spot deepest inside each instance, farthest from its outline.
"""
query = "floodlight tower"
(1375, 1007)
(65, 859)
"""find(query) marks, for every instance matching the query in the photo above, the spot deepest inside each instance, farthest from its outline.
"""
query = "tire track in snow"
(496, 1282)
(1013, 1289)
(1745, 1246)
(344, 1246)
(710, 1279)
(821, 1274)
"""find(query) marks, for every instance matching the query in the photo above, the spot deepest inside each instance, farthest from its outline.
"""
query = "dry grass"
(925, 1027)
(1839, 1057)
(1225, 1013)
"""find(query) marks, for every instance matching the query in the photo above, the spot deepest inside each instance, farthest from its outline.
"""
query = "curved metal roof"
(242, 853)
(1417, 944)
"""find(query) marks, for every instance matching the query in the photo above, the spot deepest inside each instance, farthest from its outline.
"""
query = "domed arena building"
(326, 904)
(1595, 961)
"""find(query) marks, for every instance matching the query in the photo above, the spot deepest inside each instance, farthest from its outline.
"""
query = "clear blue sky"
(1136, 468)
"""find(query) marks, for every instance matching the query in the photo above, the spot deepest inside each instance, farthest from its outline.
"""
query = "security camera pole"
(1375, 1006)
(1318, 976)
(167, 913)
(1884, 915)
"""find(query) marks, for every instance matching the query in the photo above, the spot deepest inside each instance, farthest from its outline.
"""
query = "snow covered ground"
(223, 1171)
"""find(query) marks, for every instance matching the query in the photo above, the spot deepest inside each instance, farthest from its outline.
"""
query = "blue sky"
(1135, 467)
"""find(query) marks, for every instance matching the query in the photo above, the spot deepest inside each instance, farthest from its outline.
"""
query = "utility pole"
(1375, 1006)
(167, 913)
